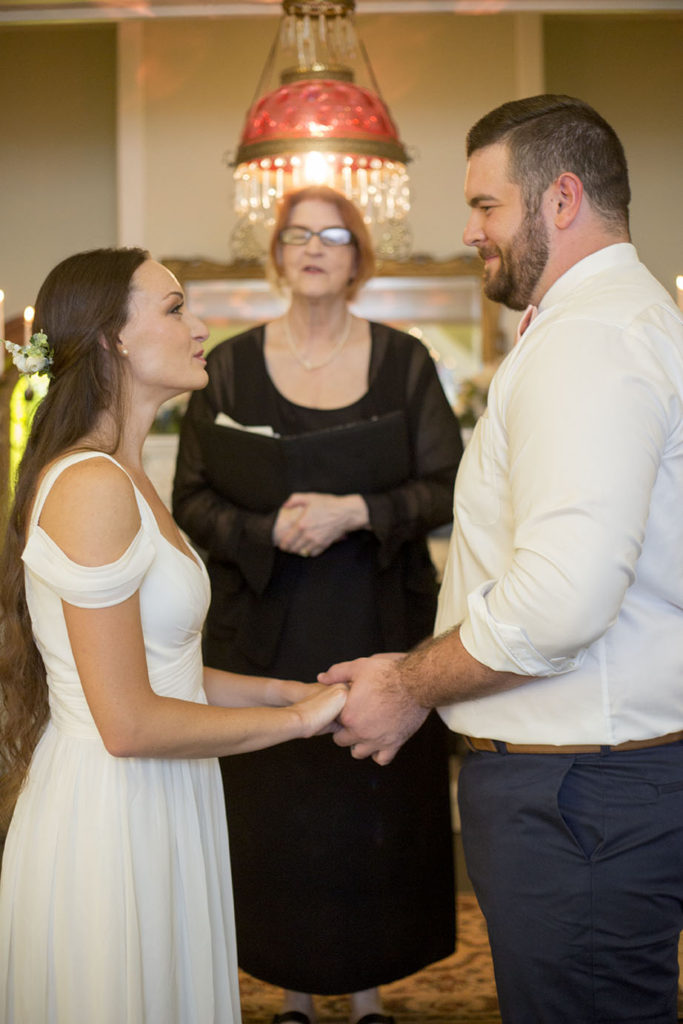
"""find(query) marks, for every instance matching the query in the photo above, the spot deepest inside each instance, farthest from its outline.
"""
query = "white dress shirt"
(566, 558)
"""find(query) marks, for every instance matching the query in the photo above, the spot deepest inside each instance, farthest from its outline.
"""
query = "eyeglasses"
(295, 235)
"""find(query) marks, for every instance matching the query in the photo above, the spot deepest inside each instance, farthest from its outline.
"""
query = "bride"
(115, 897)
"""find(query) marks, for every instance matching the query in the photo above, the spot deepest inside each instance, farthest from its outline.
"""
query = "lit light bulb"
(315, 168)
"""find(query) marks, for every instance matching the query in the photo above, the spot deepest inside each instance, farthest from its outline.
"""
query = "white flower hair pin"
(36, 357)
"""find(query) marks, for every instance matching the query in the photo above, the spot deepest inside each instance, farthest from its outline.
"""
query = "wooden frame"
(432, 280)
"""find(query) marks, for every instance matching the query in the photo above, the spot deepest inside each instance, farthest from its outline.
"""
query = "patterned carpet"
(459, 990)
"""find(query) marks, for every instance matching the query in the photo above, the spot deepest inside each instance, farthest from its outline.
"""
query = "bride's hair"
(82, 306)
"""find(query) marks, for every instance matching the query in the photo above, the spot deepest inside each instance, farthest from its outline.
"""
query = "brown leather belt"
(500, 747)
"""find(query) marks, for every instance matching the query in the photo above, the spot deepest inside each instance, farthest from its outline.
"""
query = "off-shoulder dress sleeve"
(99, 586)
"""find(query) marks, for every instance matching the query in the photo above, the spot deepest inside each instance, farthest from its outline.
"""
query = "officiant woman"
(316, 547)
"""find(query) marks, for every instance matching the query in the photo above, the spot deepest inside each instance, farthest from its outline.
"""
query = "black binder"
(259, 473)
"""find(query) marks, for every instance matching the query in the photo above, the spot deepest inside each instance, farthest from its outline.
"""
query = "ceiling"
(35, 11)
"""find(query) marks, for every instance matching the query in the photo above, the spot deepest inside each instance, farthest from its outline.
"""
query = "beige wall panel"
(437, 72)
(631, 70)
(430, 71)
(201, 76)
(57, 152)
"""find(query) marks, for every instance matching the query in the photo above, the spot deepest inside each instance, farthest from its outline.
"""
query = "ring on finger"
(305, 552)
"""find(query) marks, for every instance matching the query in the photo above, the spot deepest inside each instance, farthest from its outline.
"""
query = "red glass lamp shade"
(319, 128)
(304, 115)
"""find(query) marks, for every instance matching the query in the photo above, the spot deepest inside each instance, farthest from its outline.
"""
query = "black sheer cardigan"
(237, 540)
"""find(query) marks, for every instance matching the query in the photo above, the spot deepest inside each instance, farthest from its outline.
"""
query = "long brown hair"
(82, 306)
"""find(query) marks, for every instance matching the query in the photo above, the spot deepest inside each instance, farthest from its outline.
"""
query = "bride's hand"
(320, 707)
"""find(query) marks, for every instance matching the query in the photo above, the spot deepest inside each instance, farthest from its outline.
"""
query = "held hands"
(308, 523)
(320, 707)
(379, 714)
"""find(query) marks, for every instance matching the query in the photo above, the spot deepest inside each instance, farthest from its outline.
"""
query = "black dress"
(342, 870)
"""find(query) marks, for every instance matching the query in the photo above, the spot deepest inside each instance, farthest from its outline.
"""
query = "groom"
(558, 649)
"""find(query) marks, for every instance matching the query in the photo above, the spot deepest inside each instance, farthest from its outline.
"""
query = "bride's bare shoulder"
(90, 511)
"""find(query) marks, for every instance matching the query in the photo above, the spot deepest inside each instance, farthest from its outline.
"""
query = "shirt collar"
(621, 254)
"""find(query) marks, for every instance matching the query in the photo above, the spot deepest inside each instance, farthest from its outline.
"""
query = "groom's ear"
(565, 196)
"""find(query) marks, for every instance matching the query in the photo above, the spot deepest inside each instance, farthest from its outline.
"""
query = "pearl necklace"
(306, 363)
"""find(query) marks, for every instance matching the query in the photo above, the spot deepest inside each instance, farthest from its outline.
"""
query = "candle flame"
(29, 314)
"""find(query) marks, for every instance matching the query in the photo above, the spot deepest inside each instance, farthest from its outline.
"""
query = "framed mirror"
(439, 301)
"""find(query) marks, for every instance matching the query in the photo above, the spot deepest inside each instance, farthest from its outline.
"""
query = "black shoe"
(375, 1018)
(293, 1017)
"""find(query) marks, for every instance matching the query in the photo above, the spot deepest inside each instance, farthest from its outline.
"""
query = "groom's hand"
(379, 715)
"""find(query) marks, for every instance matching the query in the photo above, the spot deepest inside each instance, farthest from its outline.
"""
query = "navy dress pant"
(577, 863)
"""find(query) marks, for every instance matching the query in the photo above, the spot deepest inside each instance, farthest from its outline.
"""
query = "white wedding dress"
(115, 895)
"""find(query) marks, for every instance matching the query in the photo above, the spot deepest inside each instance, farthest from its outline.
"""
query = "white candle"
(29, 314)
(679, 291)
